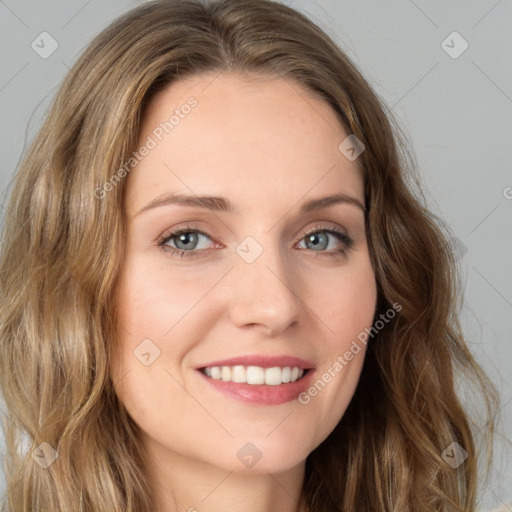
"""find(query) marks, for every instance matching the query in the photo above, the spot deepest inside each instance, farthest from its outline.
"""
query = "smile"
(257, 385)
(255, 375)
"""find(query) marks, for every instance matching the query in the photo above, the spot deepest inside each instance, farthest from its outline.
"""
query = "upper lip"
(264, 361)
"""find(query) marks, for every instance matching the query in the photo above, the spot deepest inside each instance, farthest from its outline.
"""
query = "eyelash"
(344, 238)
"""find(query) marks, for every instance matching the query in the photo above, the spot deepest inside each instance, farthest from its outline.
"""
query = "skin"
(268, 145)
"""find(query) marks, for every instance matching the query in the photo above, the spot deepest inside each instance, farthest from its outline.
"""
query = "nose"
(261, 294)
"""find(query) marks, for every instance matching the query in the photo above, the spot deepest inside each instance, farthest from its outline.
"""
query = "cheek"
(346, 308)
(346, 305)
(157, 314)
(151, 301)
(147, 309)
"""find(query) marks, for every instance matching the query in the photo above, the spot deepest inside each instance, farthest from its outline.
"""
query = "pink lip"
(264, 395)
(262, 361)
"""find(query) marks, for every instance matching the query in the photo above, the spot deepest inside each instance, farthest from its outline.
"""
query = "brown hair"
(57, 309)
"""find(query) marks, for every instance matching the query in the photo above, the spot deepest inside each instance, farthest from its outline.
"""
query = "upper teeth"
(255, 374)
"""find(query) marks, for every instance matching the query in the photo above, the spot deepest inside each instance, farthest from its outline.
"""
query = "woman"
(219, 291)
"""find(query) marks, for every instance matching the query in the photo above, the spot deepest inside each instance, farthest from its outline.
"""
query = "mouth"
(259, 380)
(255, 375)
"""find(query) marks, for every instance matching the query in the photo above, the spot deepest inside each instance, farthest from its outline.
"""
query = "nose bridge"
(261, 286)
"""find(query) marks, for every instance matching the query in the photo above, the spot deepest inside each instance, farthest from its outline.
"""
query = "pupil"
(315, 239)
(187, 238)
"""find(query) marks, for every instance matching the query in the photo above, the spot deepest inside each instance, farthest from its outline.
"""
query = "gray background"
(456, 112)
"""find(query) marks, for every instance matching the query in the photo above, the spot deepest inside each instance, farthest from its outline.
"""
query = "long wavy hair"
(62, 250)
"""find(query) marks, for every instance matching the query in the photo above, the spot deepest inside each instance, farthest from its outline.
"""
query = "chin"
(262, 456)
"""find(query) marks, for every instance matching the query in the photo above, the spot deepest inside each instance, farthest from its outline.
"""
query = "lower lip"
(264, 395)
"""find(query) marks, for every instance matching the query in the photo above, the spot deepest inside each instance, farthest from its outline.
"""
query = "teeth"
(255, 375)
(238, 374)
(286, 374)
(225, 373)
(216, 373)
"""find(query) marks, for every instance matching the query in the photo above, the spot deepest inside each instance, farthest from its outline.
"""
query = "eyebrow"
(221, 204)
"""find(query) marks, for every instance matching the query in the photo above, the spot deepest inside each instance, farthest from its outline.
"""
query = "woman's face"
(257, 287)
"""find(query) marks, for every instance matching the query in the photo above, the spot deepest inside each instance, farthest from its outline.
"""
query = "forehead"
(262, 137)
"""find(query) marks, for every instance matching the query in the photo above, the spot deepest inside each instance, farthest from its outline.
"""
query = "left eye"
(320, 239)
(185, 240)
